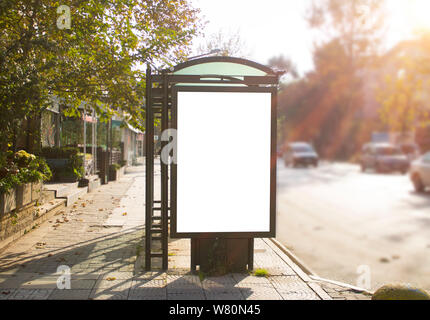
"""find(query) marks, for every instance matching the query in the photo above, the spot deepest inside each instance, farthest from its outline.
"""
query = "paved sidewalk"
(101, 239)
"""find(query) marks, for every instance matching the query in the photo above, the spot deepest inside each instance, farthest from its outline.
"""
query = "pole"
(85, 138)
(164, 177)
(149, 183)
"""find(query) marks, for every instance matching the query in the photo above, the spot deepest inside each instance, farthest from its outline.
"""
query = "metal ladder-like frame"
(156, 211)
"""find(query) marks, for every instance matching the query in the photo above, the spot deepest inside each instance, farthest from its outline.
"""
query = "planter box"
(7, 202)
(23, 195)
(115, 174)
(36, 190)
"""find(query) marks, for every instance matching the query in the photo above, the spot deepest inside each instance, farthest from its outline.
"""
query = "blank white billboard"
(223, 162)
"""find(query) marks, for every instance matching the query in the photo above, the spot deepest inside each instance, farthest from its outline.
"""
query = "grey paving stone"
(148, 283)
(184, 290)
(108, 294)
(261, 294)
(122, 284)
(213, 295)
(176, 284)
(299, 295)
(41, 294)
(148, 294)
(82, 284)
(21, 294)
(70, 294)
(186, 296)
(243, 279)
(30, 294)
(288, 283)
(5, 293)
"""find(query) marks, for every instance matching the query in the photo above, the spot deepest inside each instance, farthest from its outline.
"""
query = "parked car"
(300, 153)
(411, 150)
(383, 157)
(420, 172)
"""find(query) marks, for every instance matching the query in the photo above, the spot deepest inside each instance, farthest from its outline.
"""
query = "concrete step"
(92, 182)
(46, 196)
(73, 196)
(61, 189)
(51, 207)
(68, 191)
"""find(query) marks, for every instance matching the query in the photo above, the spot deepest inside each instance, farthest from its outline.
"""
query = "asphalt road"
(336, 219)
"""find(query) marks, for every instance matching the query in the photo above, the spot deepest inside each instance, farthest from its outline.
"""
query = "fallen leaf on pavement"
(124, 214)
(110, 278)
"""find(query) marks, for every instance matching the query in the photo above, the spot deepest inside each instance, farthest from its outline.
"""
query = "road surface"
(336, 219)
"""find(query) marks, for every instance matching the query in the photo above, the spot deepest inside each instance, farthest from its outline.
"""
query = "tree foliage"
(404, 95)
(323, 107)
(283, 63)
(98, 60)
(223, 43)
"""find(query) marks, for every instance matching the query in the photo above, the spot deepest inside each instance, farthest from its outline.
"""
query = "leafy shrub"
(115, 166)
(21, 167)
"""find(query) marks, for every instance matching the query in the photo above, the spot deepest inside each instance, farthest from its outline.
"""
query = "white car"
(420, 172)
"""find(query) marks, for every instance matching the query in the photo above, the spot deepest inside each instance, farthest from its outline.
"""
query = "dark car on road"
(383, 157)
(411, 150)
(300, 153)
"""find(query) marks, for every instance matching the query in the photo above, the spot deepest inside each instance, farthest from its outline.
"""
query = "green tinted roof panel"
(226, 66)
(221, 68)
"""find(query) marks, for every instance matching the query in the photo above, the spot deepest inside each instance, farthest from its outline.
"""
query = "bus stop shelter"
(218, 184)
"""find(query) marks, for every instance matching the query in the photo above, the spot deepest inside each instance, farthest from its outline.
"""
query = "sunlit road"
(336, 218)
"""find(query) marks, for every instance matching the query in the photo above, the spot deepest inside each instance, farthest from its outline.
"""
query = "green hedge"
(74, 169)
(59, 152)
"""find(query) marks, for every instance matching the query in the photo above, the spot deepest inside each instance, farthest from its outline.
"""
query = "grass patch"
(202, 275)
(261, 273)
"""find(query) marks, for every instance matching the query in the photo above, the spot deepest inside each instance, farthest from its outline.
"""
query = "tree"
(223, 43)
(284, 64)
(350, 33)
(98, 60)
(403, 95)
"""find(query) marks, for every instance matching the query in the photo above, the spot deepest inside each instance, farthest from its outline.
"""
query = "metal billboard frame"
(173, 180)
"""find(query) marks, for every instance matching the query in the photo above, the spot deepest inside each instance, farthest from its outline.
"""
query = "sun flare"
(418, 13)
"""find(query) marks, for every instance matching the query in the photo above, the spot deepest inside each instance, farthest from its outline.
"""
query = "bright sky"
(273, 27)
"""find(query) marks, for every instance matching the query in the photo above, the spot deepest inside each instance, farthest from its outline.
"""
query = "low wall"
(23, 218)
